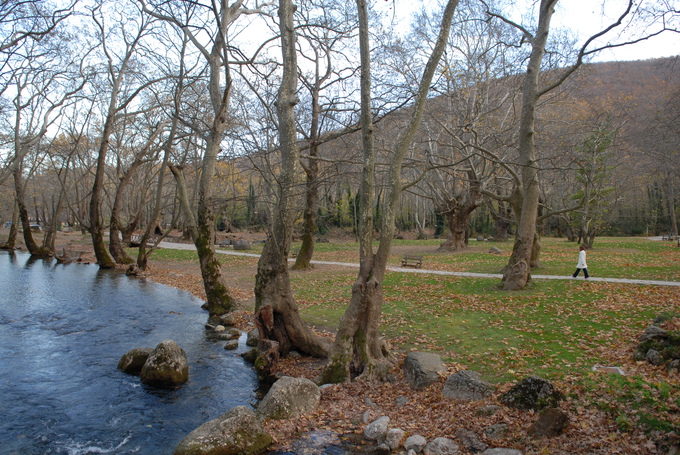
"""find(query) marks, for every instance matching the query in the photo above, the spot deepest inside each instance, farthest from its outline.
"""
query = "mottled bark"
(457, 213)
(218, 296)
(116, 246)
(518, 272)
(309, 226)
(272, 283)
(31, 245)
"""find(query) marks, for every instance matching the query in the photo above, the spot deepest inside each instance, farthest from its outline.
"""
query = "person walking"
(581, 262)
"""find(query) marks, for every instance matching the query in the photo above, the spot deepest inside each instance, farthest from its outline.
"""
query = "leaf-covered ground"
(559, 330)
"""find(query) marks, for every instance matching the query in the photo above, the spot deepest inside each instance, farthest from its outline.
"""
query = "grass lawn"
(555, 329)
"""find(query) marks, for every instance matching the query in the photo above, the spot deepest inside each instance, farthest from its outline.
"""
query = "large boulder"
(551, 422)
(416, 443)
(422, 369)
(532, 392)
(467, 385)
(441, 446)
(470, 440)
(236, 432)
(133, 361)
(166, 366)
(289, 398)
(377, 429)
(242, 245)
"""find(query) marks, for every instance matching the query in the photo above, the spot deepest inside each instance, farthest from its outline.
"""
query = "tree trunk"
(11, 242)
(52, 226)
(309, 226)
(31, 245)
(458, 223)
(518, 273)
(116, 247)
(218, 296)
(273, 294)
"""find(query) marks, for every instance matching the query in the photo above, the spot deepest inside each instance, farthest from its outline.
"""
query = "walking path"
(188, 246)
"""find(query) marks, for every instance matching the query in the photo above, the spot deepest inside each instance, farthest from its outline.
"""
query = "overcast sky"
(583, 17)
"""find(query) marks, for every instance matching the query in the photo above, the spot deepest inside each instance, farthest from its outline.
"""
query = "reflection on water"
(63, 329)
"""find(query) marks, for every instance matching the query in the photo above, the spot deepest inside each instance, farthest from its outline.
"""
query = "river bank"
(345, 408)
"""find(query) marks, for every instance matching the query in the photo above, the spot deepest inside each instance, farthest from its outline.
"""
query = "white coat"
(582, 260)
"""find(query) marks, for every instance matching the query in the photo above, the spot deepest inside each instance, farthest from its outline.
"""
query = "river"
(63, 329)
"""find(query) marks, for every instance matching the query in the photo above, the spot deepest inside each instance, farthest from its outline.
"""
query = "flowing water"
(63, 329)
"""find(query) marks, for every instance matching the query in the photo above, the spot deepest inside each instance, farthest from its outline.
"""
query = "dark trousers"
(585, 272)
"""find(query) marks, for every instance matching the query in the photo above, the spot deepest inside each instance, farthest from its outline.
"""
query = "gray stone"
(253, 338)
(377, 429)
(470, 440)
(496, 431)
(654, 332)
(220, 328)
(495, 250)
(133, 360)
(416, 443)
(401, 401)
(289, 398)
(237, 431)
(654, 357)
(532, 392)
(231, 345)
(467, 385)
(674, 366)
(441, 446)
(231, 333)
(422, 369)
(480, 238)
(502, 451)
(639, 355)
(489, 410)
(241, 245)
(227, 320)
(551, 422)
(166, 366)
(394, 437)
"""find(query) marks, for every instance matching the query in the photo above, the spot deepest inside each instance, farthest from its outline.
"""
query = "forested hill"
(636, 78)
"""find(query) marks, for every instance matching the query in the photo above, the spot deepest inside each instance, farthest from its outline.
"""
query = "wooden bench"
(412, 261)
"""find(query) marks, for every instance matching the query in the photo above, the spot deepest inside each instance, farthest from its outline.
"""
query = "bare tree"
(277, 314)
(357, 350)
(221, 15)
(518, 272)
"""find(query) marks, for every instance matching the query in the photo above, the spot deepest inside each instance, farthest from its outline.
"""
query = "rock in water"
(133, 361)
(236, 432)
(166, 366)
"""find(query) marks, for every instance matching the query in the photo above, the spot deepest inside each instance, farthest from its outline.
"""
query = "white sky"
(583, 17)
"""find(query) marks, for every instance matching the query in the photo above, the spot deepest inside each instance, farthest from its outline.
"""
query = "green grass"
(550, 328)
(558, 329)
(553, 328)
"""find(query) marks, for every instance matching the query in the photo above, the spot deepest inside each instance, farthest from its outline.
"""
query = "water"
(63, 329)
